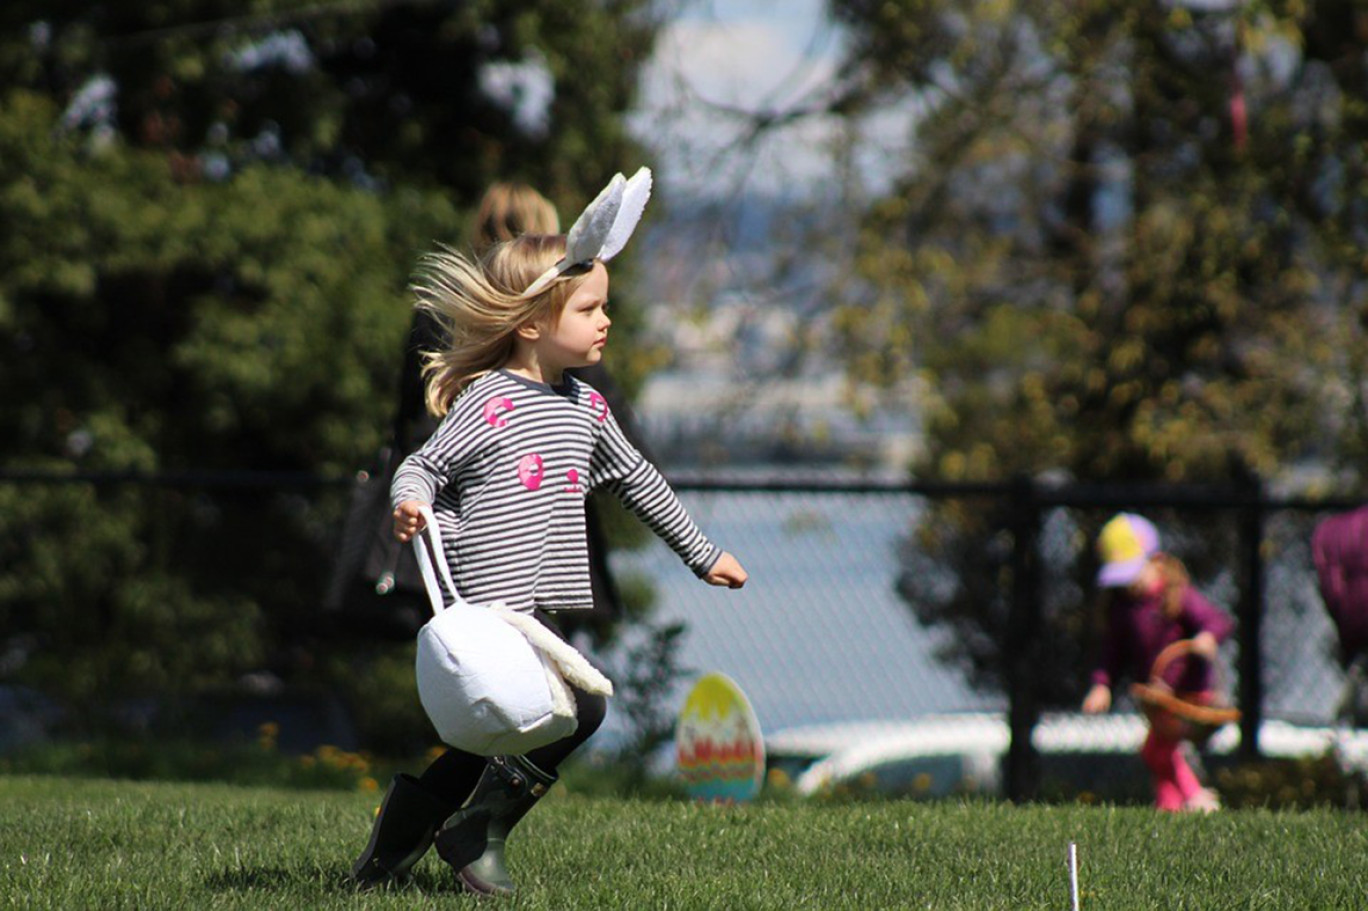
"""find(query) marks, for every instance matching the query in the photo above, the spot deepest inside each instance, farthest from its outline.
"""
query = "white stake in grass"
(1073, 874)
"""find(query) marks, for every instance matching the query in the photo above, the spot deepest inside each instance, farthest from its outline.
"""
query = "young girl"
(1152, 605)
(520, 446)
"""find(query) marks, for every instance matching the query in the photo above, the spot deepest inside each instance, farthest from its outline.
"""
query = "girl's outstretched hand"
(1206, 645)
(726, 571)
(408, 521)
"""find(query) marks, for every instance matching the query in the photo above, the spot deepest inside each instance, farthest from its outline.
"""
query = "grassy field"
(73, 844)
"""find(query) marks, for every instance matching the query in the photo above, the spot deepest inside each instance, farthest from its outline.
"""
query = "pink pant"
(1174, 781)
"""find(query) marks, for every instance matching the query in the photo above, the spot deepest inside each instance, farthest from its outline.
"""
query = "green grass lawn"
(79, 843)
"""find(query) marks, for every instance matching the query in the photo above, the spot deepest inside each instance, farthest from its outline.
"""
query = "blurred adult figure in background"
(506, 211)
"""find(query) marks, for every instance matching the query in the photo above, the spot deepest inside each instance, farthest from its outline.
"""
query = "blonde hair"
(481, 303)
(1175, 582)
(509, 210)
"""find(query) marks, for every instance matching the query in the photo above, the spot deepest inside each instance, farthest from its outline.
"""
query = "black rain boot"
(402, 834)
(472, 840)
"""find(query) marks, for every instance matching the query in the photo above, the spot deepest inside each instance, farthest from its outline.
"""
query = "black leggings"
(452, 775)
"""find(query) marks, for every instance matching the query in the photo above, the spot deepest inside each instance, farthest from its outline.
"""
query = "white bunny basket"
(493, 680)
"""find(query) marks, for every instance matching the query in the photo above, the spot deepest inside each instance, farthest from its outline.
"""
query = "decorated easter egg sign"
(719, 750)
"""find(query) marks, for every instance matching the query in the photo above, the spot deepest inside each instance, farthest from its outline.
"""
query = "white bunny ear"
(587, 235)
(634, 196)
(603, 228)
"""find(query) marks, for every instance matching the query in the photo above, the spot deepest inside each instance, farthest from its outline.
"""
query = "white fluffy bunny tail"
(573, 666)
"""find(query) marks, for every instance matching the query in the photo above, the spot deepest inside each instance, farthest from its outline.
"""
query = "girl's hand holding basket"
(1180, 715)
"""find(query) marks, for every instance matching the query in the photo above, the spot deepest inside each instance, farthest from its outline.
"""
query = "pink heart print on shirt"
(573, 482)
(599, 405)
(494, 409)
(531, 471)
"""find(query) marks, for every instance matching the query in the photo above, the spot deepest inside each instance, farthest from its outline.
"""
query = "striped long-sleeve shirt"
(507, 473)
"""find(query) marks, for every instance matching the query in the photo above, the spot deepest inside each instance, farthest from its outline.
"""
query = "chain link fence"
(935, 635)
(854, 669)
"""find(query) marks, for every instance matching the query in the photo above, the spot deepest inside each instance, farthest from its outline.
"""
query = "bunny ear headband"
(603, 227)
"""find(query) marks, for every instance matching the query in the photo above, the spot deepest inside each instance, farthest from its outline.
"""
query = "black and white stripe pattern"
(508, 472)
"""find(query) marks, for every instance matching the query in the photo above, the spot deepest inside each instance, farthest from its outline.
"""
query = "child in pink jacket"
(1150, 605)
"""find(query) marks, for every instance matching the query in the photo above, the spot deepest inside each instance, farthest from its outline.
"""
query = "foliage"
(211, 325)
(439, 95)
(604, 775)
(1302, 783)
(176, 327)
(1122, 252)
(98, 843)
(211, 213)
(252, 764)
(376, 681)
(1100, 268)
(649, 671)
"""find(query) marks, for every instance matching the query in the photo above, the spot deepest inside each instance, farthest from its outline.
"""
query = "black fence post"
(1251, 622)
(1022, 644)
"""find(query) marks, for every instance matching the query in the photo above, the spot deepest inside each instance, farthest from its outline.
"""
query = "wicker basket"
(1181, 716)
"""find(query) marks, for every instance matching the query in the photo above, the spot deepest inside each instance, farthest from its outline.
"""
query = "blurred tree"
(441, 96)
(1116, 219)
(210, 213)
(151, 326)
(453, 93)
(1129, 247)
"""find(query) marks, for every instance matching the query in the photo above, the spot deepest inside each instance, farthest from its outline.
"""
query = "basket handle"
(427, 545)
(1172, 652)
